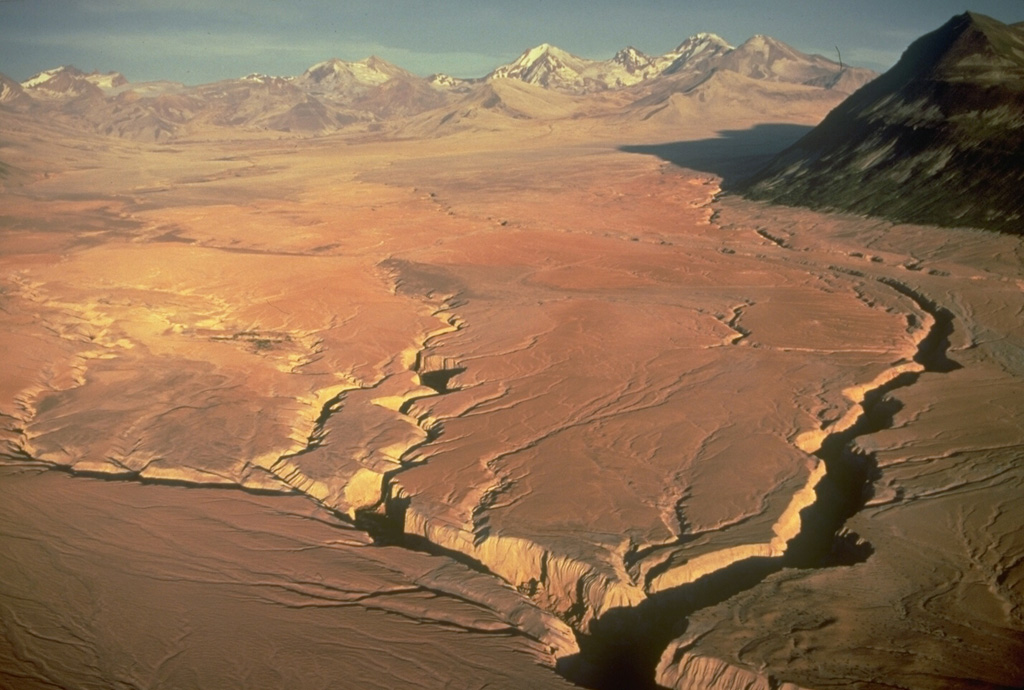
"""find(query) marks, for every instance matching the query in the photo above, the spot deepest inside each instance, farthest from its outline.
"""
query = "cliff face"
(681, 669)
(938, 139)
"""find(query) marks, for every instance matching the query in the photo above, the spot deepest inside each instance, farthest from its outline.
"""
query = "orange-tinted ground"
(564, 364)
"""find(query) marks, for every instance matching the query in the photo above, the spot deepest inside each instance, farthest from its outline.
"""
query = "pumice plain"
(692, 370)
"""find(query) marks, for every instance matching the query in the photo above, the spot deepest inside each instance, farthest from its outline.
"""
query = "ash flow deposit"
(362, 379)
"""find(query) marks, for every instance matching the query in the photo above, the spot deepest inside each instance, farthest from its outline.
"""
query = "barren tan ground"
(563, 364)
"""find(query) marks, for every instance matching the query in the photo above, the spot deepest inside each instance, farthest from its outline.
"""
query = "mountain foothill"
(545, 82)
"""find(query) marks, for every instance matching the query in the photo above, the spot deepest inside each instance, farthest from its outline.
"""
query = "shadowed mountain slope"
(938, 139)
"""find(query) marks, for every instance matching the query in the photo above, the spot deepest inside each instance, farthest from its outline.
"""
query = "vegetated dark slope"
(938, 139)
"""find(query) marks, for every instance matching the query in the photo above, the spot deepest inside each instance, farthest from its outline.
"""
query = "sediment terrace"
(635, 425)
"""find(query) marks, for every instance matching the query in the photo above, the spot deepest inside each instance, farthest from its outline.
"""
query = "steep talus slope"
(938, 139)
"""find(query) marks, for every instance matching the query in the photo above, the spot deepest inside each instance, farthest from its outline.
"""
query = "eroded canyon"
(521, 405)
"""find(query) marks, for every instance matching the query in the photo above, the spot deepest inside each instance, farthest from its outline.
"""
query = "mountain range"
(336, 94)
(937, 140)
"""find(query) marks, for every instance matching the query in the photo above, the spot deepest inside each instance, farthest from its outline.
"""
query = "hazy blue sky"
(199, 41)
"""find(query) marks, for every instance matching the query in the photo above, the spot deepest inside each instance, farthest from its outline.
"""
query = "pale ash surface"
(565, 365)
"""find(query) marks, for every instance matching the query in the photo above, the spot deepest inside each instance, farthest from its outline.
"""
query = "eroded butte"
(623, 418)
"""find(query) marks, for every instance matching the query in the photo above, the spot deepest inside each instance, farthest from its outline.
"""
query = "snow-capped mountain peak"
(327, 70)
(371, 71)
(706, 38)
(695, 53)
(49, 75)
(529, 60)
(335, 93)
(632, 59)
(551, 67)
(108, 81)
(759, 43)
(375, 68)
(546, 65)
(533, 54)
(702, 43)
(69, 82)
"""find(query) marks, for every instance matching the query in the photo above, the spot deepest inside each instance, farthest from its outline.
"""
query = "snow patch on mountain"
(67, 82)
(546, 65)
(369, 72)
(9, 90)
(448, 82)
(107, 82)
(552, 67)
(42, 77)
(698, 46)
(259, 78)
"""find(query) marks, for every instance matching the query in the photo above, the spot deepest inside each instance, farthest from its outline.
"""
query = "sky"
(201, 41)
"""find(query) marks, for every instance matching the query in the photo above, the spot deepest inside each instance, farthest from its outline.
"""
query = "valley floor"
(511, 408)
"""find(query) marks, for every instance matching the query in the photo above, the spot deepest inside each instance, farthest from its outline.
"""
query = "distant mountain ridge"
(760, 57)
(66, 81)
(938, 139)
(552, 67)
(335, 94)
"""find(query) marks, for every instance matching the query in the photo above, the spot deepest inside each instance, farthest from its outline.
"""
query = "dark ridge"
(937, 140)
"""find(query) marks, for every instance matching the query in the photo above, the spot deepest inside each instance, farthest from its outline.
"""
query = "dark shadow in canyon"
(623, 646)
(733, 155)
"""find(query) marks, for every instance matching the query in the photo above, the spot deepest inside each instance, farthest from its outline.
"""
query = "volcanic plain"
(522, 403)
